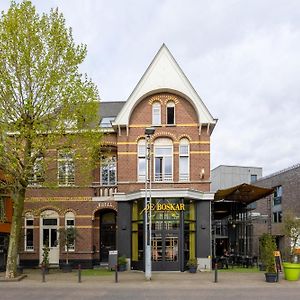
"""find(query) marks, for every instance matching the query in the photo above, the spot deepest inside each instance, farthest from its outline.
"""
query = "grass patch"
(96, 272)
(240, 270)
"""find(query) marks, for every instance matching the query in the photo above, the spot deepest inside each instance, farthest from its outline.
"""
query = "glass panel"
(158, 168)
(29, 222)
(171, 248)
(170, 115)
(53, 242)
(49, 221)
(168, 168)
(70, 222)
(184, 150)
(163, 151)
(46, 237)
(142, 170)
(29, 238)
(183, 168)
(157, 248)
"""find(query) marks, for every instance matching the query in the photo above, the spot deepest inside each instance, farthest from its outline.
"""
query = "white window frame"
(141, 156)
(156, 114)
(163, 143)
(184, 143)
(111, 164)
(70, 216)
(170, 104)
(28, 217)
(37, 172)
(67, 179)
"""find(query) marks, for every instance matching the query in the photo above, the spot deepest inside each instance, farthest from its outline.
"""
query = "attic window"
(106, 122)
(170, 113)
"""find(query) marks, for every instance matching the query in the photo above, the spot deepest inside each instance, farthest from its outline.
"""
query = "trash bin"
(112, 259)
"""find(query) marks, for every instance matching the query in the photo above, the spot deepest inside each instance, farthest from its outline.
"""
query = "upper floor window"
(253, 178)
(141, 149)
(37, 175)
(170, 113)
(277, 217)
(184, 161)
(109, 171)
(156, 113)
(163, 160)
(70, 223)
(277, 195)
(66, 167)
(28, 236)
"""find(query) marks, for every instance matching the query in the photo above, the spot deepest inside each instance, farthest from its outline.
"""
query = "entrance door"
(49, 237)
(107, 234)
(165, 242)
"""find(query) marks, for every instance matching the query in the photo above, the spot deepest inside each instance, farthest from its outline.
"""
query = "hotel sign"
(164, 207)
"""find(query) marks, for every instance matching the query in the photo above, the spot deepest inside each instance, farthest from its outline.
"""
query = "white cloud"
(241, 56)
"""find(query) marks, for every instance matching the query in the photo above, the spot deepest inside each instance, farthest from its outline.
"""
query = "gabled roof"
(110, 109)
(164, 74)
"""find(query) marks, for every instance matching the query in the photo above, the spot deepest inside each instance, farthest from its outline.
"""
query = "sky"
(242, 57)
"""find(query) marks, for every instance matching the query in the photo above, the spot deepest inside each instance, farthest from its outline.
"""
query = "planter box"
(291, 271)
(271, 277)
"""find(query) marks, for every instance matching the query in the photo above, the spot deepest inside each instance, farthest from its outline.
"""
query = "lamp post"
(147, 255)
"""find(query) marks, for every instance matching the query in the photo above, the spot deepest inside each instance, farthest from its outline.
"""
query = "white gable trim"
(164, 75)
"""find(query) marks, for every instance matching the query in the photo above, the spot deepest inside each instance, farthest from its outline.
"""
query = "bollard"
(79, 273)
(216, 271)
(43, 274)
(116, 273)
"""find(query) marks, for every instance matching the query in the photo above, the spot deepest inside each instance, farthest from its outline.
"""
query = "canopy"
(243, 193)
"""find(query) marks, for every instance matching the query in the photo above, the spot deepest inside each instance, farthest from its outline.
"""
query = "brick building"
(109, 211)
(269, 211)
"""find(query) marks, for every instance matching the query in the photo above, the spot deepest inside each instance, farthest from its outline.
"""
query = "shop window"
(109, 171)
(156, 114)
(184, 160)
(163, 160)
(70, 223)
(170, 113)
(28, 233)
(277, 195)
(141, 160)
(66, 167)
(37, 175)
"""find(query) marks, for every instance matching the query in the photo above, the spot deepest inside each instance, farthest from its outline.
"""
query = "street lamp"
(148, 267)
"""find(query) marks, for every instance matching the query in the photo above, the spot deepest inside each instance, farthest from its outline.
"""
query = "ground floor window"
(173, 239)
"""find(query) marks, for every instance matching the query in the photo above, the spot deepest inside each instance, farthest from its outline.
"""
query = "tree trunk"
(14, 239)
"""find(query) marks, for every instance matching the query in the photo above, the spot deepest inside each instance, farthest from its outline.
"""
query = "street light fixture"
(148, 215)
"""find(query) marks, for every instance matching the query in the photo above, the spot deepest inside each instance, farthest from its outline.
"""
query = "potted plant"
(192, 264)
(122, 263)
(45, 255)
(267, 248)
(291, 228)
(67, 238)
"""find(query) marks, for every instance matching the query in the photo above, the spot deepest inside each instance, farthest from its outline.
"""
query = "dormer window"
(156, 114)
(170, 113)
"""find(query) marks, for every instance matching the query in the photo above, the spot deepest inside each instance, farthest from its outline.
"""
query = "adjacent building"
(270, 211)
(172, 162)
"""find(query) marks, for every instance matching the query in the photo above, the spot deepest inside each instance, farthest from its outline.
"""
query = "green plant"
(122, 261)
(267, 247)
(192, 263)
(67, 237)
(45, 261)
(291, 228)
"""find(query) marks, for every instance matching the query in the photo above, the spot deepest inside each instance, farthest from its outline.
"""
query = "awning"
(243, 193)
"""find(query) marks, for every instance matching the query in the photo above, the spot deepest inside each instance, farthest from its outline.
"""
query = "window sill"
(170, 125)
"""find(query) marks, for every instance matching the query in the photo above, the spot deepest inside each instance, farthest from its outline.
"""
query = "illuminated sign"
(164, 207)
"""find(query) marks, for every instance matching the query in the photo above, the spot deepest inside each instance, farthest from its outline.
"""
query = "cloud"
(241, 56)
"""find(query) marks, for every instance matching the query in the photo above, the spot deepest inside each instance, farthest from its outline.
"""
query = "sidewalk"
(159, 279)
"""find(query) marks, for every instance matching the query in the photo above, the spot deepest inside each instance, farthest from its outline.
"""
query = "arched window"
(70, 223)
(163, 159)
(184, 160)
(156, 114)
(141, 163)
(28, 240)
(109, 171)
(170, 113)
